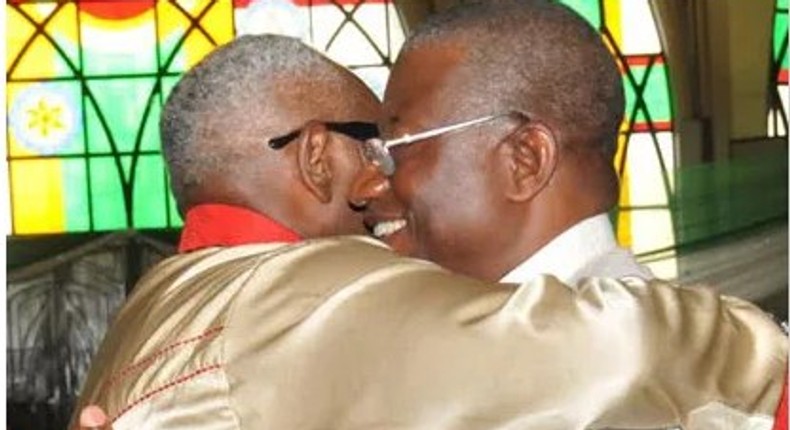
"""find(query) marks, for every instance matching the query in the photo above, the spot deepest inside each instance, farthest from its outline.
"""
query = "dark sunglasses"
(358, 130)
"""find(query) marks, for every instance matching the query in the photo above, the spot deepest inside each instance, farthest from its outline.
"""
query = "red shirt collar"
(223, 225)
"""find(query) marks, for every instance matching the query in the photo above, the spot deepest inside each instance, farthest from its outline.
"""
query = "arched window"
(87, 80)
(778, 92)
(646, 152)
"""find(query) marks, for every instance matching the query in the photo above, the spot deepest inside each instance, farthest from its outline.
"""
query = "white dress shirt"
(587, 249)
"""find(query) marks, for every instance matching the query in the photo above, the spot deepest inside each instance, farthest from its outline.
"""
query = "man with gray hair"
(261, 142)
(252, 327)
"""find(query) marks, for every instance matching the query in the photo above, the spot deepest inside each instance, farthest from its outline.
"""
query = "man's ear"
(315, 168)
(531, 159)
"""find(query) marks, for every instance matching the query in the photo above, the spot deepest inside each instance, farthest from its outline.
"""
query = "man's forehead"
(425, 83)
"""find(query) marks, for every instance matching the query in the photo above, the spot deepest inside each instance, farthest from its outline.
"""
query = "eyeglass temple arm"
(279, 142)
(407, 139)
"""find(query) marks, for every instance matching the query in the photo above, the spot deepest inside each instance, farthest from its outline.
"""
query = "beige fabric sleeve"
(343, 334)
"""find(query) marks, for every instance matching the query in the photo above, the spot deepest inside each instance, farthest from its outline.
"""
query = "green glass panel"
(781, 4)
(107, 194)
(630, 91)
(97, 138)
(150, 138)
(126, 165)
(122, 103)
(780, 33)
(641, 119)
(656, 95)
(630, 98)
(75, 184)
(589, 9)
(149, 193)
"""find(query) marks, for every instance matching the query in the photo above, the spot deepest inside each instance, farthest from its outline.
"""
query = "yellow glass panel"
(41, 59)
(218, 22)
(173, 25)
(612, 12)
(37, 196)
(38, 61)
(169, 18)
(18, 31)
(195, 48)
(63, 28)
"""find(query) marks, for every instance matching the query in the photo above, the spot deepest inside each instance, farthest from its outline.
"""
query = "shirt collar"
(223, 225)
(568, 252)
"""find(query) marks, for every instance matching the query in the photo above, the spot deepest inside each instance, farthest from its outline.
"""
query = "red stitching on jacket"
(147, 361)
(165, 387)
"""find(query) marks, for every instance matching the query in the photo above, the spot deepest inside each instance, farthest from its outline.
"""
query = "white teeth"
(387, 228)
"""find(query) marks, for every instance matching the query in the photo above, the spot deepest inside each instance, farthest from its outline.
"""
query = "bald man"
(253, 327)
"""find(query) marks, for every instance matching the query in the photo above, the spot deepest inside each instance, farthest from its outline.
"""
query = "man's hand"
(93, 417)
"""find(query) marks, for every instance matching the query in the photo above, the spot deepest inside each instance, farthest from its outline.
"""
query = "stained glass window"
(86, 82)
(778, 91)
(646, 154)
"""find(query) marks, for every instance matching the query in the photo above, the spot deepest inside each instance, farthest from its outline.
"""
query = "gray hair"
(538, 57)
(227, 102)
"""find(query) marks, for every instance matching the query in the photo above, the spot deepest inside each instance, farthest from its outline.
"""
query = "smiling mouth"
(388, 228)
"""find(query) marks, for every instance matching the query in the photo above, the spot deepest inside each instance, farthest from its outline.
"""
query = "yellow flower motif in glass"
(44, 118)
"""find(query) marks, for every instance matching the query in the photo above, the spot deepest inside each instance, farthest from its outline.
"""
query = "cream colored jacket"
(343, 334)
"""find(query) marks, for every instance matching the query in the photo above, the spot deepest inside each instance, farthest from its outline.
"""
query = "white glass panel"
(664, 266)
(112, 46)
(351, 48)
(373, 18)
(666, 144)
(375, 77)
(397, 37)
(651, 230)
(273, 17)
(646, 183)
(325, 20)
(639, 28)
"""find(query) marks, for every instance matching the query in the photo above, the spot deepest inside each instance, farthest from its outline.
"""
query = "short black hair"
(539, 57)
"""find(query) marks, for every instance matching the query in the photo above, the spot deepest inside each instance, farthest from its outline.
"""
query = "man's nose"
(369, 184)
